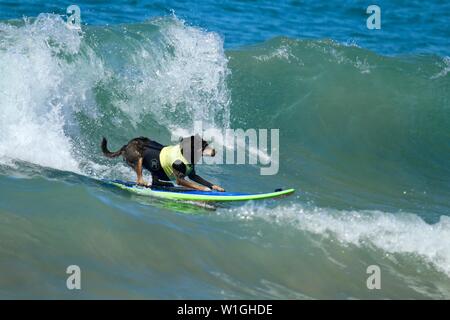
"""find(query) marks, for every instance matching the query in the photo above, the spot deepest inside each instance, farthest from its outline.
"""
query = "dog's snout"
(210, 152)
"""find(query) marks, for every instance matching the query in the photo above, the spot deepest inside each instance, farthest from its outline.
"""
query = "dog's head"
(194, 147)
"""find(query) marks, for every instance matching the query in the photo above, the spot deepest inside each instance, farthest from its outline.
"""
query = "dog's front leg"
(140, 180)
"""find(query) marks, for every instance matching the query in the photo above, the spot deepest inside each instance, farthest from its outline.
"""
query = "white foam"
(445, 68)
(38, 92)
(283, 53)
(48, 74)
(181, 78)
(393, 233)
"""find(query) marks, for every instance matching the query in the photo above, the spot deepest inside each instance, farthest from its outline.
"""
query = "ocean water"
(364, 120)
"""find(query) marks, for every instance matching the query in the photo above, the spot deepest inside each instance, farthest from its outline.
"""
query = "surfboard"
(180, 193)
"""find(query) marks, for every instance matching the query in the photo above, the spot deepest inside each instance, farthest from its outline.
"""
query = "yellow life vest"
(168, 156)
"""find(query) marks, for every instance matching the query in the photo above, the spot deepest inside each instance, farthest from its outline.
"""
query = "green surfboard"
(179, 193)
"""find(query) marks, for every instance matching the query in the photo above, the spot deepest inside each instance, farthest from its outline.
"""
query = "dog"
(166, 164)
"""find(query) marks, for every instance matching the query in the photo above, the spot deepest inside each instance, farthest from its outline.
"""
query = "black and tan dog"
(166, 163)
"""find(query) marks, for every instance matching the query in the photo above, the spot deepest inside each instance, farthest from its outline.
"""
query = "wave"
(349, 119)
(334, 98)
(393, 234)
(356, 129)
(362, 137)
(61, 87)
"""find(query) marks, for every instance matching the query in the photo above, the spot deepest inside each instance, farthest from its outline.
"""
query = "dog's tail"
(108, 153)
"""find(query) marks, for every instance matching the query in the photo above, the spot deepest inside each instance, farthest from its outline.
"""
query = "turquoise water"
(364, 136)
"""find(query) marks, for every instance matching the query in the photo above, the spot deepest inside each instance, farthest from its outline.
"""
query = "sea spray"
(44, 78)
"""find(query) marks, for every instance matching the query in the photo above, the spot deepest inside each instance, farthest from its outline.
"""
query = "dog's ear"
(199, 141)
(205, 144)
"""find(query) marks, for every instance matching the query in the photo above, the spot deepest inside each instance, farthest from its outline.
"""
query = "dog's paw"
(143, 184)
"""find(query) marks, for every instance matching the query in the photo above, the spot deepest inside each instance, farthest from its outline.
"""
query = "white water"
(400, 233)
(48, 73)
(39, 91)
(179, 81)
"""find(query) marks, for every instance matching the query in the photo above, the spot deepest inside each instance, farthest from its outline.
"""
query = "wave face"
(62, 87)
(364, 123)
(363, 139)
